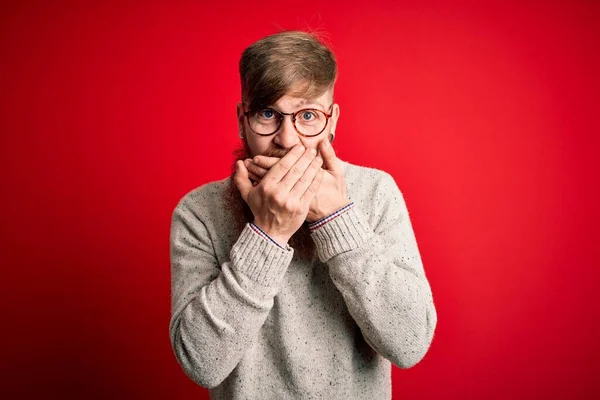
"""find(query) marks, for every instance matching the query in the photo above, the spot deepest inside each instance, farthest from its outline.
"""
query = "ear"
(335, 114)
(240, 118)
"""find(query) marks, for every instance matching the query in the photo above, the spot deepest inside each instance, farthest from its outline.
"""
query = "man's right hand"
(281, 201)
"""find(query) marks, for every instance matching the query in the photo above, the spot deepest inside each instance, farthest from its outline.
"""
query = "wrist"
(329, 217)
(279, 239)
(318, 215)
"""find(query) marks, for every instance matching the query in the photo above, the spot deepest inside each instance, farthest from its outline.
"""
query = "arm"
(380, 274)
(217, 312)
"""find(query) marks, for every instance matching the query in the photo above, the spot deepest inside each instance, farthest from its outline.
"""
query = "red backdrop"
(486, 115)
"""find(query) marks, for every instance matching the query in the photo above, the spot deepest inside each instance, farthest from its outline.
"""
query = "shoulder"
(368, 180)
(376, 193)
(204, 198)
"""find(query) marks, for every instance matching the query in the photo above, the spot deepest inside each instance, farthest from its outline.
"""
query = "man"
(299, 276)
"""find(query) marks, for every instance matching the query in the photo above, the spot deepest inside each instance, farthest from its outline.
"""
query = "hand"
(332, 194)
(281, 201)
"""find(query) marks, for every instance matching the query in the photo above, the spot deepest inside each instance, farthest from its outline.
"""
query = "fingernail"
(256, 159)
(313, 151)
(246, 162)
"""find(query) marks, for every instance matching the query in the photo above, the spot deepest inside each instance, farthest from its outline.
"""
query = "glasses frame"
(293, 115)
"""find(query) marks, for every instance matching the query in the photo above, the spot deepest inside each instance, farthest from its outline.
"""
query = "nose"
(287, 137)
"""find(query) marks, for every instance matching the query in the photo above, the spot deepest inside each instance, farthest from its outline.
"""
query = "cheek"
(258, 145)
(312, 143)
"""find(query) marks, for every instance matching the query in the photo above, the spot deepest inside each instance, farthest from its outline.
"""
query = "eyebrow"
(304, 102)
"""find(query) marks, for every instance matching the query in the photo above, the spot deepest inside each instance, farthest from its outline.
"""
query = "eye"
(266, 114)
(308, 115)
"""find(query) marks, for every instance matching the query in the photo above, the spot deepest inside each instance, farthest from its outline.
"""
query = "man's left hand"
(332, 194)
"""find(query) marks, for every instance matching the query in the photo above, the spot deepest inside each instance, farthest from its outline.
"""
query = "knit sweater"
(249, 320)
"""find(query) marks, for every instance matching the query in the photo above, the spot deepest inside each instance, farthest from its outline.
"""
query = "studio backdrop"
(485, 114)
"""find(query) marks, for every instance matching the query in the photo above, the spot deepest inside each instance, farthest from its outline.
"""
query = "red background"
(486, 115)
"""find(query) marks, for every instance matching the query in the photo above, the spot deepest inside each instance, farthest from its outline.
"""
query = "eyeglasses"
(307, 122)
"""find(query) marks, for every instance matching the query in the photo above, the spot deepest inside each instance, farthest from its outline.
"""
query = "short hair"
(272, 66)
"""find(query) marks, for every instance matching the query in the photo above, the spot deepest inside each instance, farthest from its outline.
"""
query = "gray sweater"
(249, 320)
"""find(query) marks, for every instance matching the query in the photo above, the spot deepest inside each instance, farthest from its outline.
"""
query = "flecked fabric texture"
(251, 321)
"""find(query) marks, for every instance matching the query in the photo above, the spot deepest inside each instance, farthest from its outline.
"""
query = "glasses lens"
(310, 122)
(265, 122)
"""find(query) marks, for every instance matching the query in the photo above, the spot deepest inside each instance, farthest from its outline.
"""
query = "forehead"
(289, 102)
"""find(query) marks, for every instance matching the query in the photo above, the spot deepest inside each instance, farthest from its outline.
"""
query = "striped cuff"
(313, 226)
(257, 259)
(346, 233)
(262, 233)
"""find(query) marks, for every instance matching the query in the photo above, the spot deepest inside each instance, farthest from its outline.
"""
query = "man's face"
(286, 136)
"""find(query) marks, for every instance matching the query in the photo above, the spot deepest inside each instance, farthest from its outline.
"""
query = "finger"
(307, 178)
(330, 160)
(284, 165)
(265, 162)
(296, 173)
(253, 177)
(241, 180)
(255, 169)
(313, 188)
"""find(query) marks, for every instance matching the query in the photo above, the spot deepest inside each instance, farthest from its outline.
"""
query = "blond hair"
(282, 62)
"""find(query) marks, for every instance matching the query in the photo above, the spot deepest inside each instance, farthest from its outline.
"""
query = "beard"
(301, 242)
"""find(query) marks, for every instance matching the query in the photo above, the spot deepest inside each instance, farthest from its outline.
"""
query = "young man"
(299, 276)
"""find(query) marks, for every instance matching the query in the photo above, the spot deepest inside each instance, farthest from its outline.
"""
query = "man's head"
(281, 74)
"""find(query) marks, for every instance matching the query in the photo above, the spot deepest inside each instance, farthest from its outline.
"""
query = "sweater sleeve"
(218, 310)
(380, 275)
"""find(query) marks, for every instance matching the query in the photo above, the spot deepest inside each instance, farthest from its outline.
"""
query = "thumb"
(330, 160)
(241, 180)
(265, 162)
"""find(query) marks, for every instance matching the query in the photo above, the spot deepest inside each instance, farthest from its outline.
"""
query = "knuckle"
(284, 165)
(296, 171)
(279, 197)
(290, 206)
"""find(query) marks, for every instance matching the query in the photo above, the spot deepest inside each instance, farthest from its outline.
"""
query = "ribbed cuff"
(264, 234)
(345, 233)
(260, 259)
(317, 224)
